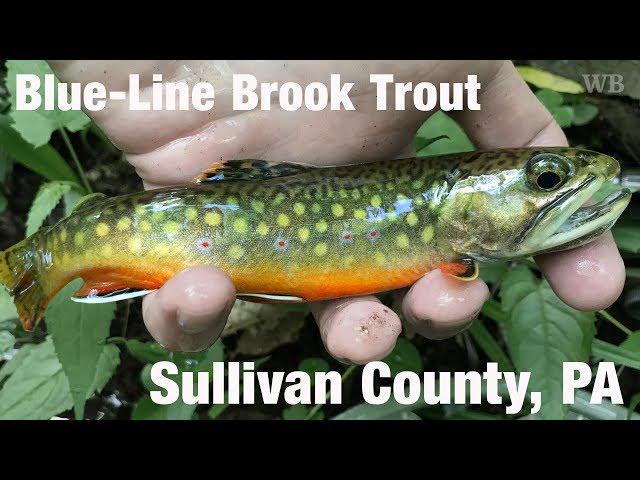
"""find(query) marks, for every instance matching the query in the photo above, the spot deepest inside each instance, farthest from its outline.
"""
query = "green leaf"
(563, 115)
(37, 388)
(404, 357)
(437, 125)
(13, 364)
(47, 198)
(312, 365)
(627, 235)
(7, 307)
(517, 284)
(632, 343)
(218, 409)
(147, 352)
(542, 333)
(619, 355)
(300, 412)
(543, 79)
(44, 160)
(7, 340)
(549, 98)
(489, 345)
(493, 272)
(193, 362)
(37, 126)
(78, 331)
(634, 401)
(583, 113)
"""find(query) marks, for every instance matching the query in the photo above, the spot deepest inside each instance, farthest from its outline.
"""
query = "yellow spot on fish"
(343, 193)
(191, 213)
(66, 258)
(262, 228)
(418, 200)
(355, 194)
(348, 260)
(240, 225)
(106, 250)
(360, 214)
(144, 226)
(140, 210)
(315, 208)
(320, 249)
(78, 239)
(380, 258)
(135, 245)
(298, 208)
(162, 249)
(402, 240)
(236, 251)
(157, 216)
(279, 198)
(412, 219)
(417, 184)
(212, 218)
(376, 201)
(392, 216)
(232, 201)
(337, 209)
(123, 224)
(303, 234)
(283, 220)
(63, 235)
(390, 186)
(427, 234)
(171, 228)
(321, 226)
(257, 205)
(102, 229)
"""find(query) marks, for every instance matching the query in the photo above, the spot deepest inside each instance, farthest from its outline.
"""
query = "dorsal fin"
(89, 200)
(249, 170)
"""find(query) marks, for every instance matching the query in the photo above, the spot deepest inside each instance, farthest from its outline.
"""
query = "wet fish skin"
(317, 233)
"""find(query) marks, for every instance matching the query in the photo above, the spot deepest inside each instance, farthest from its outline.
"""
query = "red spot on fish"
(373, 233)
(346, 236)
(281, 243)
(205, 244)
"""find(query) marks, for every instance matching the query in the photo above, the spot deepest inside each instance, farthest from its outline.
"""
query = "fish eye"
(548, 171)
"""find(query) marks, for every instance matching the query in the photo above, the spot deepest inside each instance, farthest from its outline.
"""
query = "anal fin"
(111, 297)
(268, 298)
(112, 286)
(249, 170)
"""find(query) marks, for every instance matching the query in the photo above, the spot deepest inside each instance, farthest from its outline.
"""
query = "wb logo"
(603, 82)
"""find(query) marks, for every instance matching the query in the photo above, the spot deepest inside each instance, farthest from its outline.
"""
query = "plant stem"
(347, 373)
(83, 176)
(615, 322)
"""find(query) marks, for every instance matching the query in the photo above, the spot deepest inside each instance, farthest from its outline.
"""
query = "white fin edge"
(275, 298)
(114, 298)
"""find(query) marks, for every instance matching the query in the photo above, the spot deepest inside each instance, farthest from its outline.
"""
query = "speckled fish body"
(308, 233)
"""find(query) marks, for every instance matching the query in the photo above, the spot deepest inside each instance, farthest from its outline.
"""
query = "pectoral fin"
(465, 269)
(248, 170)
(112, 286)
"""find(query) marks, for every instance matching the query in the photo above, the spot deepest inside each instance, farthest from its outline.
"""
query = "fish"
(289, 232)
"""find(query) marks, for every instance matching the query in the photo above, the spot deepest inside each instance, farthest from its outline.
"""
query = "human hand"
(167, 148)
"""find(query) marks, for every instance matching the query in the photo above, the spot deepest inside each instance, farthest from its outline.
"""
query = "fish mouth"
(568, 223)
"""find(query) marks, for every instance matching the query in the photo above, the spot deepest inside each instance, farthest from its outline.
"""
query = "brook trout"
(290, 233)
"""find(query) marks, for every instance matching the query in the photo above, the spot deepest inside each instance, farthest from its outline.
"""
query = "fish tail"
(19, 274)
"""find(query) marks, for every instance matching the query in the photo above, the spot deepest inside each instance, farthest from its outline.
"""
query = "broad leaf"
(78, 331)
(44, 160)
(542, 333)
(46, 200)
(606, 351)
(6, 341)
(435, 126)
(516, 284)
(300, 412)
(36, 126)
(627, 235)
(312, 365)
(543, 79)
(37, 388)
(7, 307)
(404, 357)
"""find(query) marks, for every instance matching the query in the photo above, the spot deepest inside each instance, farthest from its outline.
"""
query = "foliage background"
(93, 361)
